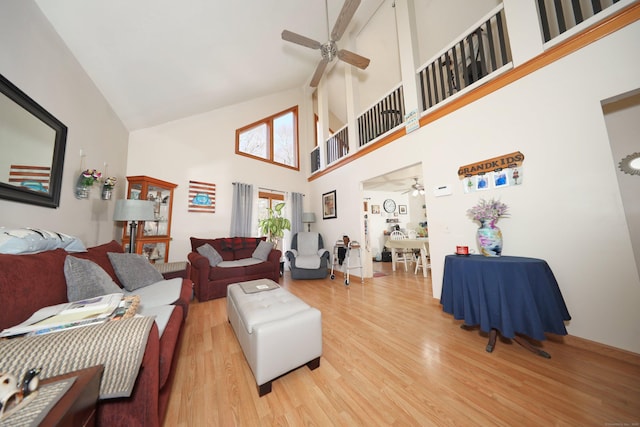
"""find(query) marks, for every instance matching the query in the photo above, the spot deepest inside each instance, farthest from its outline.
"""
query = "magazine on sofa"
(68, 315)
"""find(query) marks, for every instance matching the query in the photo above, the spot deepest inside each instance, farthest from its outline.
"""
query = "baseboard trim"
(607, 350)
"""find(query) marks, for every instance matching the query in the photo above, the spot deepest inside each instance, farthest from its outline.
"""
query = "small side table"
(78, 406)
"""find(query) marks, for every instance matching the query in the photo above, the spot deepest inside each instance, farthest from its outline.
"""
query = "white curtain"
(296, 213)
(242, 210)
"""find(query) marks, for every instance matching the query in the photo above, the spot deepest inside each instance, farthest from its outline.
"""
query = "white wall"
(35, 59)
(568, 211)
(623, 127)
(202, 148)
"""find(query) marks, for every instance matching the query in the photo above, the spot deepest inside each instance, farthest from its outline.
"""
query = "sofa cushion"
(86, 279)
(225, 252)
(30, 282)
(240, 263)
(134, 271)
(163, 292)
(263, 250)
(211, 254)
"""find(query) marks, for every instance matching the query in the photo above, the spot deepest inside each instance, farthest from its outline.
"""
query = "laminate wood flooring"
(391, 357)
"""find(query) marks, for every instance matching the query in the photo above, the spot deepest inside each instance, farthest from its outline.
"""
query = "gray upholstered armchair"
(307, 258)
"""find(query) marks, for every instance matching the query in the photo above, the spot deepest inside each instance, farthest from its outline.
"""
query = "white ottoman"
(278, 332)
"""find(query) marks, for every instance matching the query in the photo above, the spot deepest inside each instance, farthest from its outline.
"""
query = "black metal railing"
(556, 16)
(469, 59)
(338, 145)
(382, 117)
(315, 160)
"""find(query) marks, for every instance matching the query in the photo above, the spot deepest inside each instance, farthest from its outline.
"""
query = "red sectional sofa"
(211, 282)
(30, 282)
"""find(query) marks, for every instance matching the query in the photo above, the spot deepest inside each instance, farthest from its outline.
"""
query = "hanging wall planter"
(85, 182)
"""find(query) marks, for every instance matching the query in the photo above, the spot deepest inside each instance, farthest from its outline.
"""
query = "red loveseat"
(30, 282)
(211, 282)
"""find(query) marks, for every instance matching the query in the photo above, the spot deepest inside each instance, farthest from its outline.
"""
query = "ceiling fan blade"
(318, 73)
(353, 59)
(346, 14)
(301, 40)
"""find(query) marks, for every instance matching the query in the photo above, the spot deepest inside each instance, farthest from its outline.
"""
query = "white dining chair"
(401, 254)
(419, 260)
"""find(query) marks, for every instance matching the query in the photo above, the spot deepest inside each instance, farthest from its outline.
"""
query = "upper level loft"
(401, 32)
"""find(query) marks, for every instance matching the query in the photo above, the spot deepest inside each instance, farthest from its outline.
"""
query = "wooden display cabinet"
(153, 237)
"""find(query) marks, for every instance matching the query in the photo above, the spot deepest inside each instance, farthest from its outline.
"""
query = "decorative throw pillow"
(134, 271)
(33, 240)
(86, 279)
(263, 250)
(210, 253)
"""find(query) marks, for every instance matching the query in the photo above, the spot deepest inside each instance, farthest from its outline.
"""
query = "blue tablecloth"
(510, 294)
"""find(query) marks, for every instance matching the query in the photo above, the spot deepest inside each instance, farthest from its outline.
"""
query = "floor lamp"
(132, 211)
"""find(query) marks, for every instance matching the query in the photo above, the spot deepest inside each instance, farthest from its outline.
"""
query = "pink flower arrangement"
(90, 176)
(490, 210)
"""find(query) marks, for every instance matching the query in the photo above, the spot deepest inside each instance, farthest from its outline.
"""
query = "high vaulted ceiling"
(161, 60)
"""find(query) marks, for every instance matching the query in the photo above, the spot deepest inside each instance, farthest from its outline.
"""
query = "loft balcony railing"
(338, 145)
(384, 116)
(315, 160)
(559, 16)
(481, 53)
(472, 57)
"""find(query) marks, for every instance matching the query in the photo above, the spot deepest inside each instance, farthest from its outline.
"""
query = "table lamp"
(133, 211)
(308, 218)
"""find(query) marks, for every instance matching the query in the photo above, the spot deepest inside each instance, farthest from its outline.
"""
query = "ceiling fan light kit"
(415, 189)
(329, 50)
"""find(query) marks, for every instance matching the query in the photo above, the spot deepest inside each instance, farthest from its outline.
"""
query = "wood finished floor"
(391, 357)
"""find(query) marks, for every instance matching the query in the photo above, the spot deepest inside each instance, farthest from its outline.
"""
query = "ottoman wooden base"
(278, 332)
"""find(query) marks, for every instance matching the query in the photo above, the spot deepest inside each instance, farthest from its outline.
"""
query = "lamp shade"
(308, 217)
(133, 210)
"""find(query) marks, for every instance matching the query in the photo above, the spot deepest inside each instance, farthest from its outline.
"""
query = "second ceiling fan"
(329, 50)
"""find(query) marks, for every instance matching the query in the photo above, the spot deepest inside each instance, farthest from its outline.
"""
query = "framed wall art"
(402, 209)
(329, 205)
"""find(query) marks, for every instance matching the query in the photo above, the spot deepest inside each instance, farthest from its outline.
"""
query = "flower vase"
(82, 190)
(106, 192)
(489, 239)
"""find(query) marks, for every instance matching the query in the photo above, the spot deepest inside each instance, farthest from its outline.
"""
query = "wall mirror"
(32, 145)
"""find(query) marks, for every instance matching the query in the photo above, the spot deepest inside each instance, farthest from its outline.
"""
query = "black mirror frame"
(19, 194)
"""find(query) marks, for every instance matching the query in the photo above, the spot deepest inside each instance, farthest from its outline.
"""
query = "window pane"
(263, 205)
(254, 141)
(284, 140)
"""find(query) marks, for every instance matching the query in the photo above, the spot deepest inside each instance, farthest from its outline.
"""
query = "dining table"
(419, 243)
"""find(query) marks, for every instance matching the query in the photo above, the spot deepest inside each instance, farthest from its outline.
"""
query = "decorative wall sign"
(497, 172)
(202, 197)
(411, 121)
(511, 161)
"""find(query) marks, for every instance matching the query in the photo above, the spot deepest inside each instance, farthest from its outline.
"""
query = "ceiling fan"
(329, 50)
(415, 189)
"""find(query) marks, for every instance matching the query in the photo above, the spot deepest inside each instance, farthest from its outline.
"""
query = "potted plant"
(274, 225)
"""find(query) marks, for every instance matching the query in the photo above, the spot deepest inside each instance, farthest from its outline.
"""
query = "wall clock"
(389, 206)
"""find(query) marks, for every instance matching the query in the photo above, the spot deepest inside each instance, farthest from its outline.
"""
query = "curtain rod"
(272, 190)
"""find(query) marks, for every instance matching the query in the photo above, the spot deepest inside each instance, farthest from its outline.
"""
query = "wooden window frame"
(268, 122)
